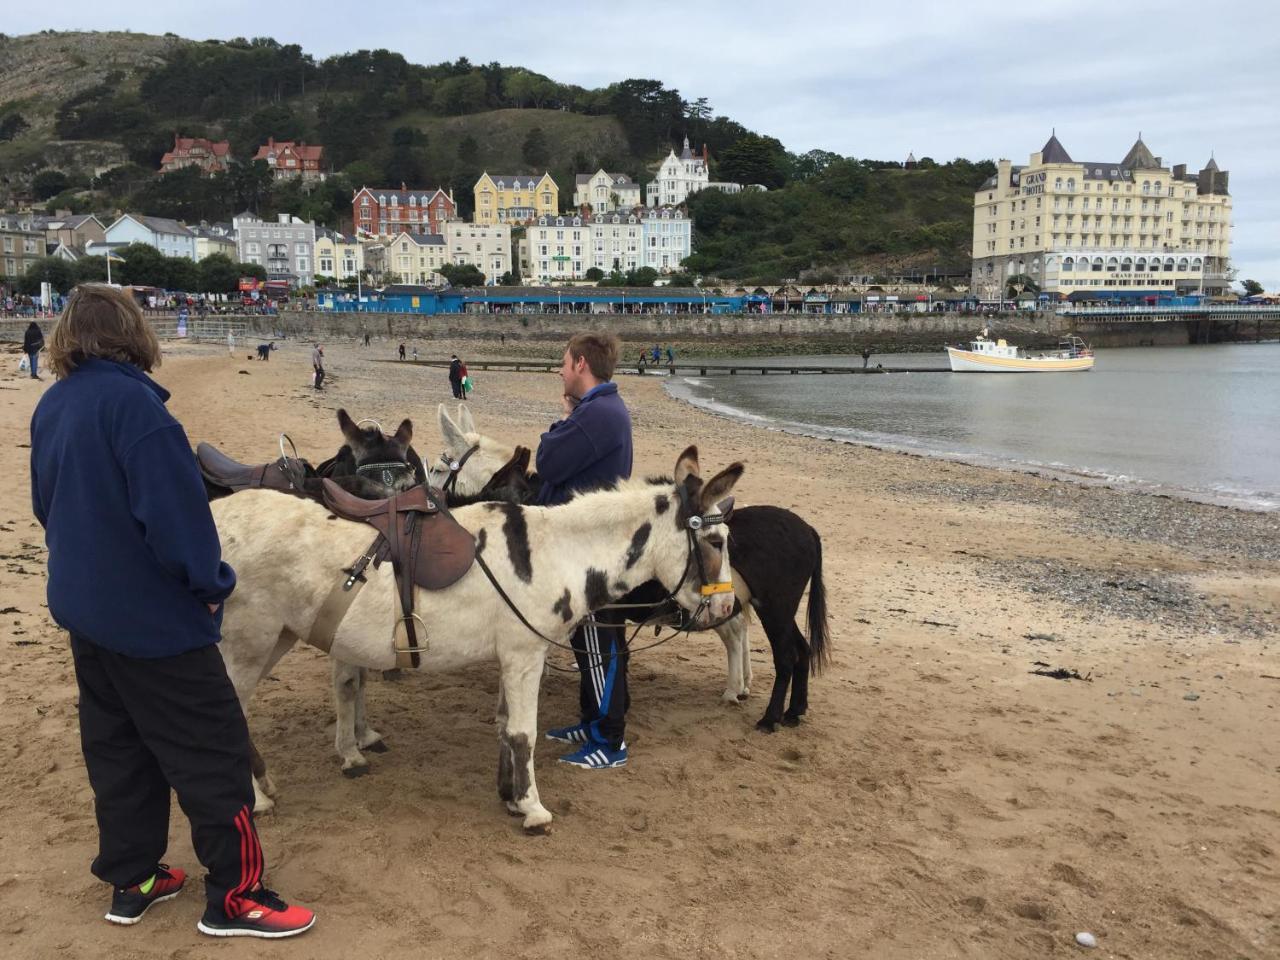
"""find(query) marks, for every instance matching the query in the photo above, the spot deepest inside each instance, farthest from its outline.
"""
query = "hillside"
(85, 118)
(499, 136)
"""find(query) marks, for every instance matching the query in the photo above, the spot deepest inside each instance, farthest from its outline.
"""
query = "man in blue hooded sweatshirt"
(136, 576)
(591, 448)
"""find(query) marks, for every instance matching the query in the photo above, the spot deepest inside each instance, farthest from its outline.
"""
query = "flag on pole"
(114, 258)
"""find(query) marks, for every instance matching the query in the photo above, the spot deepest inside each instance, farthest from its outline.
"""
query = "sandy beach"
(940, 800)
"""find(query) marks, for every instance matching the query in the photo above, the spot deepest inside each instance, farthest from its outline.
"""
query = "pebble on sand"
(1086, 939)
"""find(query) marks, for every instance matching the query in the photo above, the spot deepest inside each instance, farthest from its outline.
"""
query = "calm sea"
(1199, 422)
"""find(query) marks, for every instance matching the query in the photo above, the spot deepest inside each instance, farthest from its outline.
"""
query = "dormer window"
(364, 201)
(413, 201)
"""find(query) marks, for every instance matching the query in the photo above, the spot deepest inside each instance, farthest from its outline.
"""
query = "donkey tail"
(816, 613)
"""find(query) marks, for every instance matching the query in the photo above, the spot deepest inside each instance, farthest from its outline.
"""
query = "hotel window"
(1071, 184)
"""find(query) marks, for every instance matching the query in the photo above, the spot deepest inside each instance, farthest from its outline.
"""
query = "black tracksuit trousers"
(148, 725)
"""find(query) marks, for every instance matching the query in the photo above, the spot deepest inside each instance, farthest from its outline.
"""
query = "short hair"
(102, 321)
(600, 351)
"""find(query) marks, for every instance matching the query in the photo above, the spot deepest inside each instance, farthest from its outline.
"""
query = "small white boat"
(998, 356)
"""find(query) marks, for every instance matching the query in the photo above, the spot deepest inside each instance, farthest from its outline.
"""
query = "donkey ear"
(453, 438)
(522, 459)
(687, 465)
(464, 419)
(719, 486)
(348, 426)
(404, 433)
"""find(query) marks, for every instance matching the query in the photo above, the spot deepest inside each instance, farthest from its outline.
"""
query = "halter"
(455, 467)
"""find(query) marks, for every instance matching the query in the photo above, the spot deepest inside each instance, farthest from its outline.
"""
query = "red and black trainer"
(128, 904)
(264, 915)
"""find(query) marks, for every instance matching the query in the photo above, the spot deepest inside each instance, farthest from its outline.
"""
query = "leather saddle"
(286, 475)
(421, 538)
(425, 545)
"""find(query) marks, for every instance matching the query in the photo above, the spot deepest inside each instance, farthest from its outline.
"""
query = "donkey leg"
(346, 690)
(248, 657)
(506, 757)
(733, 635)
(783, 665)
(367, 738)
(799, 680)
(520, 681)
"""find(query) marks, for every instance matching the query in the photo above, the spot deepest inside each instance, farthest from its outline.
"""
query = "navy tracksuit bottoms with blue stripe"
(601, 652)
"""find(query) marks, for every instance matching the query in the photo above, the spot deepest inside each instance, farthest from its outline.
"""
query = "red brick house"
(288, 159)
(382, 211)
(209, 155)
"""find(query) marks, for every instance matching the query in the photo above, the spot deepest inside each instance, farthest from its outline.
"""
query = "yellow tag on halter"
(710, 589)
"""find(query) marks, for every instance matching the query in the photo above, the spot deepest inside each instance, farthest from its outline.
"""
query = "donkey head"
(703, 507)
(385, 460)
(480, 457)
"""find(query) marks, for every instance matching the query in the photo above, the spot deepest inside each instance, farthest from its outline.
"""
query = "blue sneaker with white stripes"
(597, 756)
(577, 733)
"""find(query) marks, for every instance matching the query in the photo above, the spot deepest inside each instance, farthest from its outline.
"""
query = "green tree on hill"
(49, 183)
(755, 159)
(534, 150)
(1252, 288)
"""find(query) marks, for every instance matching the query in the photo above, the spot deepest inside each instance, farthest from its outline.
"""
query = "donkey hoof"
(767, 726)
(378, 746)
(513, 809)
(730, 697)
(744, 694)
(791, 720)
(357, 770)
(537, 829)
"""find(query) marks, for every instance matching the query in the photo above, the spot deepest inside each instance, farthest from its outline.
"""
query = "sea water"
(1201, 422)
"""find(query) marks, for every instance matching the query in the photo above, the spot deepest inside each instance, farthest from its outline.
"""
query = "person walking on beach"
(32, 344)
(589, 448)
(135, 574)
(402, 351)
(317, 364)
(455, 377)
(415, 353)
(866, 357)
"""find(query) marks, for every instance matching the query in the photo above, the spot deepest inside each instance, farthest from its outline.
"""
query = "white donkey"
(556, 565)
(475, 457)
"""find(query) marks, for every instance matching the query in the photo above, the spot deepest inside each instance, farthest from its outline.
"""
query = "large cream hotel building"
(1130, 230)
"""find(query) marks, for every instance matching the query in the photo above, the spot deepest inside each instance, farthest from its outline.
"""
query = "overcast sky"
(972, 78)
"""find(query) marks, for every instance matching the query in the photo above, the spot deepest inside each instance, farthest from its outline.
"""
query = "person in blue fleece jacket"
(590, 448)
(136, 577)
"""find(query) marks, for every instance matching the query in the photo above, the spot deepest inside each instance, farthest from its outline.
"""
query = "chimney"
(402, 186)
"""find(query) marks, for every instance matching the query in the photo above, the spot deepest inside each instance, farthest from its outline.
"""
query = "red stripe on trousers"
(234, 893)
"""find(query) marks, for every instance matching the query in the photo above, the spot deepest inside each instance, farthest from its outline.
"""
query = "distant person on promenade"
(32, 344)
(671, 355)
(455, 377)
(866, 357)
(136, 577)
(317, 364)
(415, 353)
(402, 351)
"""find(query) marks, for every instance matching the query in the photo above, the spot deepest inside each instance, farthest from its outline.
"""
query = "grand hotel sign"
(1033, 183)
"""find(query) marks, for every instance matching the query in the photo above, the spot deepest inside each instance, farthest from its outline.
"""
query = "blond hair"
(102, 321)
(600, 350)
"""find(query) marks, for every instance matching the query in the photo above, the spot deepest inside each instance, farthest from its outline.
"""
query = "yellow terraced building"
(1129, 230)
(515, 199)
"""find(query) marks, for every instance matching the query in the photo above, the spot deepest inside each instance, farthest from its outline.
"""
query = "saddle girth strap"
(325, 625)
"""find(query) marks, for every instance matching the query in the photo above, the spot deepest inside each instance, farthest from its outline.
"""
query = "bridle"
(455, 467)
